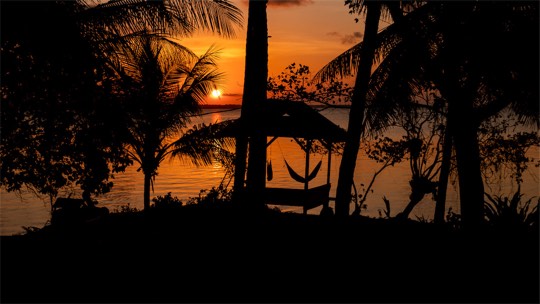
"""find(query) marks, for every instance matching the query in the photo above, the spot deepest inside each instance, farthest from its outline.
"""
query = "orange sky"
(309, 32)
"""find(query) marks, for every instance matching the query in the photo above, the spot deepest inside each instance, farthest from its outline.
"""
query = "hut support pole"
(329, 162)
(271, 141)
(306, 183)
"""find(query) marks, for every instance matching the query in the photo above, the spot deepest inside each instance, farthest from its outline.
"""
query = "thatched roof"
(283, 118)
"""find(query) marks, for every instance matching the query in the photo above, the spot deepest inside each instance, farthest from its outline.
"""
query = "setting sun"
(216, 93)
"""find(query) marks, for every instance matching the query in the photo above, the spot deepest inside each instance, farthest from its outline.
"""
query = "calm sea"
(185, 180)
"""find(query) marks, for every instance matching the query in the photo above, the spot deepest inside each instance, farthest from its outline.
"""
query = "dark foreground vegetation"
(224, 253)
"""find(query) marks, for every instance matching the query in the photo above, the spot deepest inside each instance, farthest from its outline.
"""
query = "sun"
(216, 93)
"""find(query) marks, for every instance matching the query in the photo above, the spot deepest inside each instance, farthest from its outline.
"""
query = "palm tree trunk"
(463, 128)
(463, 122)
(255, 79)
(440, 205)
(256, 173)
(356, 115)
(471, 186)
(240, 166)
(147, 180)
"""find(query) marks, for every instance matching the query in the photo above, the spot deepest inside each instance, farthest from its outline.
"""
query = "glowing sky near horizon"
(309, 32)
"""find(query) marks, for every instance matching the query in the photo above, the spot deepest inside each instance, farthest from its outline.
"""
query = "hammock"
(301, 179)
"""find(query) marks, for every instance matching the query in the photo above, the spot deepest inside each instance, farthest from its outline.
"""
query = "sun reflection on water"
(185, 180)
(216, 117)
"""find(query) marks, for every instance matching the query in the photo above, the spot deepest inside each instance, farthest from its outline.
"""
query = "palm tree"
(161, 84)
(391, 93)
(476, 89)
(64, 71)
(255, 81)
(358, 103)
(174, 17)
(453, 47)
(204, 144)
(111, 21)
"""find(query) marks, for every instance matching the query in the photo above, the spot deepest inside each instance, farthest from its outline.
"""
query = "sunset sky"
(309, 32)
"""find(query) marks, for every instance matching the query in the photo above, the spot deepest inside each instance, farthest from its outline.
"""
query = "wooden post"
(329, 144)
(271, 141)
(306, 184)
(329, 162)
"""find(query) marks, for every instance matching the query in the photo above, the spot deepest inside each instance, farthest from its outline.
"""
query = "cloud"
(288, 3)
(232, 94)
(351, 38)
(282, 3)
(347, 39)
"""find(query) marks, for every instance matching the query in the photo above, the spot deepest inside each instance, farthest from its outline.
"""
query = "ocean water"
(185, 180)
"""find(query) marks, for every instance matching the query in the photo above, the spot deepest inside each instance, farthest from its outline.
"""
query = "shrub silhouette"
(511, 213)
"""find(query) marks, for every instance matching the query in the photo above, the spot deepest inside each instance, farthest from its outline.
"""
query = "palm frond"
(160, 84)
(346, 64)
(511, 212)
(391, 8)
(390, 93)
(179, 17)
(202, 144)
(201, 78)
(123, 17)
(218, 16)
(399, 47)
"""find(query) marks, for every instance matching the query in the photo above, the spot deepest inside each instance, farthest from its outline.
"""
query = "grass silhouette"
(221, 252)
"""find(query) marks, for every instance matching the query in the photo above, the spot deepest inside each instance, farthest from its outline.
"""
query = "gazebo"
(299, 121)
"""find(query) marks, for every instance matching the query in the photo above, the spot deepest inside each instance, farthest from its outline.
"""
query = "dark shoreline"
(238, 106)
(197, 255)
(221, 106)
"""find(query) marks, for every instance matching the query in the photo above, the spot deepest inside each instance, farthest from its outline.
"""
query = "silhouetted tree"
(52, 103)
(255, 78)
(452, 47)
(386, 152)
(160, 84)
(505, 144)
(59, 122)
(424, 135)
(204, 144)
(113, 18)
(358, 102)
(295, 83)
(476, 88)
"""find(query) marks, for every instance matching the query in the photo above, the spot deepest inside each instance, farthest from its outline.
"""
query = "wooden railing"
(308, 199)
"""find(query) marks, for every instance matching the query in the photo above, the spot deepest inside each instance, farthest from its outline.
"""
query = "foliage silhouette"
(428, 47)
(358, 102)
(212, 197)
(424, 126)
(59, 124)
(54, 113)
(177, 17)
(513, 213)
(504, 148)
(204, 144)
(160, 84)
(386, 152)
(296, 84)
(166, 202)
